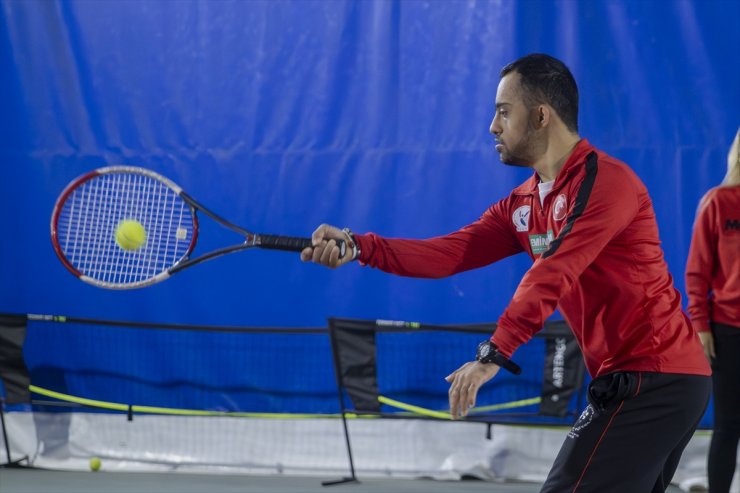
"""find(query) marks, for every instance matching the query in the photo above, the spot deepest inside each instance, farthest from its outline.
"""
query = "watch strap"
(490, 354)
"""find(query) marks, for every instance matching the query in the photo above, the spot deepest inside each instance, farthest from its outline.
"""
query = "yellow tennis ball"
(95, 464)
(130, 234)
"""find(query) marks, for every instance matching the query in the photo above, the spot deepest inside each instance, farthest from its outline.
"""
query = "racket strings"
(91, 214)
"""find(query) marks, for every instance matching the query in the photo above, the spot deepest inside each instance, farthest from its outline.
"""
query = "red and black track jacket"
(597, 257)
(713, 267)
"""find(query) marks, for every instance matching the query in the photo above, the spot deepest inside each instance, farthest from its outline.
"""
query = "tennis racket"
(88, 215)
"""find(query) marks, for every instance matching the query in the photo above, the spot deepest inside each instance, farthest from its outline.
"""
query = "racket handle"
(293, 244)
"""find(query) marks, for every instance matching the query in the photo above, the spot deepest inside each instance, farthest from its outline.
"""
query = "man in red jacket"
(588, 223)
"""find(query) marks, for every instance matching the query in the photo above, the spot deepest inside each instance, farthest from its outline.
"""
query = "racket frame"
(251, 240)
(107, 170)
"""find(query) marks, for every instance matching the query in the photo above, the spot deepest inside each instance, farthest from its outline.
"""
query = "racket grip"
(293, 244)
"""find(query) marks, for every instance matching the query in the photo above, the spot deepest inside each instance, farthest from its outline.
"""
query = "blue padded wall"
(281, 115)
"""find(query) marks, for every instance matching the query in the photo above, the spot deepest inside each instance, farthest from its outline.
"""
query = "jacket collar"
(577, 157)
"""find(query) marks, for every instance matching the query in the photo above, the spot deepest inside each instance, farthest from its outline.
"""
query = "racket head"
(90, 209)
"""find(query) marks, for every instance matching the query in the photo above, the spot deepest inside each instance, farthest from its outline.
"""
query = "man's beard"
(525, 152)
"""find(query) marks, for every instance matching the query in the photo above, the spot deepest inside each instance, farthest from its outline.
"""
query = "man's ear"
(541, 116)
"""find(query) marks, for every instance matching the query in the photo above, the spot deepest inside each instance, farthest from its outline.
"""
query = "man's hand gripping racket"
(123, 227)
(324, 252)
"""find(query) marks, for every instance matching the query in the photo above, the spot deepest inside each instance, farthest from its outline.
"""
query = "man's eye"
(503, 113)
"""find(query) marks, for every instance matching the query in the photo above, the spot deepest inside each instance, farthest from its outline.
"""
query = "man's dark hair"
(545, 79)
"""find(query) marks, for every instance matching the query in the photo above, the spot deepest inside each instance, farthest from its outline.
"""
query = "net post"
(11, 464)
(340, 395)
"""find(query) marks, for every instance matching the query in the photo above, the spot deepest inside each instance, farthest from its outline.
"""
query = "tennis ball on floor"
(130, 234)
(95, 464)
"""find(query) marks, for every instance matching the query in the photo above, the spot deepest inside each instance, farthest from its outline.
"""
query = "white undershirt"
(545, 188)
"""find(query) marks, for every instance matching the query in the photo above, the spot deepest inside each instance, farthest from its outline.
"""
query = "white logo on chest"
(521, 218)
(560, 208)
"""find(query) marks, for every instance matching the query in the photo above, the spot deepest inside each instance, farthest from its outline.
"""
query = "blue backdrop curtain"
(281, 115)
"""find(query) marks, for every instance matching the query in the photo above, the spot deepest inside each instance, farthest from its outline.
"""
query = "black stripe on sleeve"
(592, 163)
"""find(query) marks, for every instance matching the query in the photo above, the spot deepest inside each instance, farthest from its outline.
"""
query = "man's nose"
(494, 128)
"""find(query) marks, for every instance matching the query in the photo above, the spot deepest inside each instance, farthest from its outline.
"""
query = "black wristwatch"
(488, 353)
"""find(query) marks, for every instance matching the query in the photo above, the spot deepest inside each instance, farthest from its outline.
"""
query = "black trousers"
(726, 387)
(631, 435)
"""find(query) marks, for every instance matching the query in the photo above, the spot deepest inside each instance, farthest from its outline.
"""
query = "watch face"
(484, 349)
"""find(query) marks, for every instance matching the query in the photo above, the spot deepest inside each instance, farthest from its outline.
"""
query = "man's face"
(519, 143)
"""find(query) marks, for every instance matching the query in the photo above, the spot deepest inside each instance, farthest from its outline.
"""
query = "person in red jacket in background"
(588, 224)
(713, 287)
